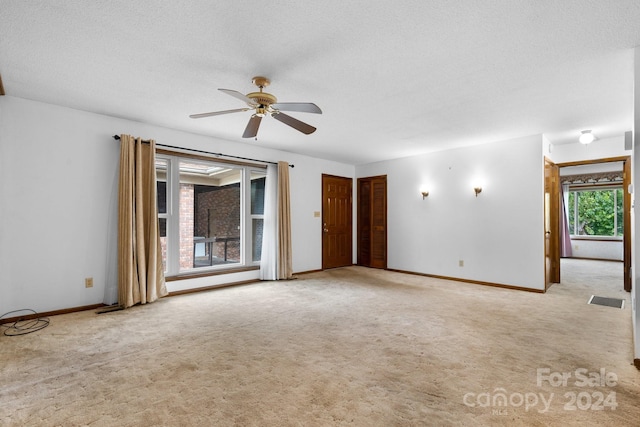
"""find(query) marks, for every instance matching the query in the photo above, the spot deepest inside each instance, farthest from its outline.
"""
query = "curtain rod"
(117, 138)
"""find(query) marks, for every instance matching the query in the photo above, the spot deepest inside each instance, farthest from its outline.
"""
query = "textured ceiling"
(392, 78)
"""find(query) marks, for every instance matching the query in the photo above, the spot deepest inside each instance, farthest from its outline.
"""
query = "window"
(258, 179)
(596, 211)
(209, 213)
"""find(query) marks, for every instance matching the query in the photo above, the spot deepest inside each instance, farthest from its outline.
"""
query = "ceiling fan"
(264, 103)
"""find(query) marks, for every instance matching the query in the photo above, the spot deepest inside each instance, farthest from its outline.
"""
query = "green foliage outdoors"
(597, 212)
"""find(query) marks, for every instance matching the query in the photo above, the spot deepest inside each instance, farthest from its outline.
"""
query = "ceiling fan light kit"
(264, 104)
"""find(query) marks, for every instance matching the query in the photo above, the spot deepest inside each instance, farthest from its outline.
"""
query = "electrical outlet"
(88, 282)
(461, 263)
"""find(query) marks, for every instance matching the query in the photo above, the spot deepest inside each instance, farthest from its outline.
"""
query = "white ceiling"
(392, 78)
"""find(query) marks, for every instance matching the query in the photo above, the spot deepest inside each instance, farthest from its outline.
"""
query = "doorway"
(337, 221)
(592, 171)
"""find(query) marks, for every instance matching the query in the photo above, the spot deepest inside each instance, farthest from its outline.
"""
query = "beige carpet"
(351, 346)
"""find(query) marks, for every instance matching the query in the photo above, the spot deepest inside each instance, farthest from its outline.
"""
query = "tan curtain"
(285, 269)
(140, 270)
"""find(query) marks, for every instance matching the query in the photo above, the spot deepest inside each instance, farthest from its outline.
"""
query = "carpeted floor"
(350, 346)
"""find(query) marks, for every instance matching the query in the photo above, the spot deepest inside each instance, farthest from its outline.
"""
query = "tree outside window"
(596, 212)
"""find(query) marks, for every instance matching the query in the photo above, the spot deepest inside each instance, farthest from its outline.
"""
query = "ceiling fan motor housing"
(262, 98)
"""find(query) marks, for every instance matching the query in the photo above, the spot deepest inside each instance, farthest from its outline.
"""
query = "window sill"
(195, 275)
(598, 238)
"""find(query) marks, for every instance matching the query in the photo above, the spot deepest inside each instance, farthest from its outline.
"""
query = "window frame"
(614, 187)
(172, 215)
(253, 216)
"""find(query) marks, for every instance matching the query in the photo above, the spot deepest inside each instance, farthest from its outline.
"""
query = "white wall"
(598, 149)
(597, 249)
(499, 234)
(58, 205)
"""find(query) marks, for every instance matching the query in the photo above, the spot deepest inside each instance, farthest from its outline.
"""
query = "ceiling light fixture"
(586, 137)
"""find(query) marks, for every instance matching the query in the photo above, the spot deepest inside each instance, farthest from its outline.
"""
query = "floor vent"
(609, 302)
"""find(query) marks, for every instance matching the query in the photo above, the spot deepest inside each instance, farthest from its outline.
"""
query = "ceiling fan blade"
(294, 123)
(217, 113)
(238, 95)
(303, 107)
(252, 127)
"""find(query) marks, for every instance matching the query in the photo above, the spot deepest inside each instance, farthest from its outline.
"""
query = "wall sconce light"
(425, 194)
(478, 190)
(586, 137)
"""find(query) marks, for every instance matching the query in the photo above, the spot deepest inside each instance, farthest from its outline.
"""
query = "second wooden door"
(372, 222)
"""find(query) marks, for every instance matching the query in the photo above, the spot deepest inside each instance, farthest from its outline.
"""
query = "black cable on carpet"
(24, 326)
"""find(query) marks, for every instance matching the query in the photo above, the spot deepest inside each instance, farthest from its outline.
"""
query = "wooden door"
(364, 222)
(626, 205)
(551, 223)
(337, 223)
(372, 222)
